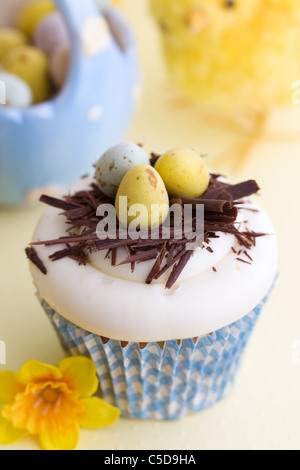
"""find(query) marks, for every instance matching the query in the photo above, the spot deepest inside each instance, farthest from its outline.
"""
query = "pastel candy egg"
(10, 38)
(60, 61)
(31, 65)
(115, 163)
(142, 197)
(16, 92)
(184, 173)
(32, 13)
(51, 33)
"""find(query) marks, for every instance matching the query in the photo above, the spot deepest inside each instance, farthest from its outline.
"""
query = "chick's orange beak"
(196, 20)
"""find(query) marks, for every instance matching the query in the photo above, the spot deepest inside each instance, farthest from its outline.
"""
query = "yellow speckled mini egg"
(10, 38)
(142, 196)
(31, 65)
(184, 173)
(32, 13)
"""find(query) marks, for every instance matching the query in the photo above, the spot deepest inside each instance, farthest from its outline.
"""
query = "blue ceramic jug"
(56, 142)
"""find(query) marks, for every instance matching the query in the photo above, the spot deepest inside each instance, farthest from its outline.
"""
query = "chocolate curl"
(36, 260)
(57, 203)
(241, 190)
(156, 267)
(210, 205)
(177, 270)
(139, 257)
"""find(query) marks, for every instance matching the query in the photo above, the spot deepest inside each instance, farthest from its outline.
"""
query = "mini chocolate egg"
(184, 173)
(17, 93)
(115, 163)
(142, 195)
(60, 61)
(32, 13)
(10, 38)
(30, 64)
(51, 33)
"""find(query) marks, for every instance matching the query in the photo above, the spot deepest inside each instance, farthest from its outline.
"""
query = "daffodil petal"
(98, 414)
(35, 371)
(60, 439)
(80, 374)
(9, 387)
(8, 434)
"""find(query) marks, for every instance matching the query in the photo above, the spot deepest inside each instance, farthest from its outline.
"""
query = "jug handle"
(76, 13)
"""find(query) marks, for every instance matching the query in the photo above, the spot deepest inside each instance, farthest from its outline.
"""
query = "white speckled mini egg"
(115, 163)
(15, 93)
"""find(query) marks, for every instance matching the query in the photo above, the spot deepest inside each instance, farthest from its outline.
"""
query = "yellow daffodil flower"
(52, 403)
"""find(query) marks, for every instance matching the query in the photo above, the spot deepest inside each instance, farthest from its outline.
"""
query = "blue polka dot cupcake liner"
(162, 381)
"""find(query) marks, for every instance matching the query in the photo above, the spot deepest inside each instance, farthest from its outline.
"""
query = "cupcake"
(157, 269)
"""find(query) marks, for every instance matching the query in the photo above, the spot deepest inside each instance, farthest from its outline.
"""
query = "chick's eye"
(229, 3)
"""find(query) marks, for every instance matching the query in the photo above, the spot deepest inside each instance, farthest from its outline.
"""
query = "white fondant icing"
(113, 302)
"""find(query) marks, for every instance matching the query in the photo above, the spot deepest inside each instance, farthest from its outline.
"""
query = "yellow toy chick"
(232, 55)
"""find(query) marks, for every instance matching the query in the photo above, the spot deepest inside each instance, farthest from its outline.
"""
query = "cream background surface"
(263, 412)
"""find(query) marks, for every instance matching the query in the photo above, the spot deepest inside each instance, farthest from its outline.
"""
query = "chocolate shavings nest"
(221, 205)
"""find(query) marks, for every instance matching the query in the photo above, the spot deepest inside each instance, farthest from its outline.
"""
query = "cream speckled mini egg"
(115, 163)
